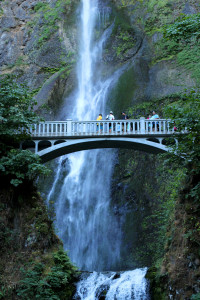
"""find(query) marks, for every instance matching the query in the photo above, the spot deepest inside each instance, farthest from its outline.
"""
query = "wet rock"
(31, 239)
(116, 276)
(51, 92)
(133, 51)
(48, 56)
(197, 262)
(196, 288)
(102, 291)
(19, 1)
(189, 9)
(120, 186)
(156, 37)
(20, 14)
(10, 47)
(28, 4)
(8, 22)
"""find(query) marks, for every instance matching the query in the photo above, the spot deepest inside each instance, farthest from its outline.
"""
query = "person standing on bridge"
(99, 118)
(155, 116)
(111, 118)
(125, 117)
(149, 124)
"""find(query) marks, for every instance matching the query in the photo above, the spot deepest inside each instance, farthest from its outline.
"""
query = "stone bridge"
(52, 139)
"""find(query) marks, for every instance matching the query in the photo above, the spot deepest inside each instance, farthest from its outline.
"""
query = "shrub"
(184, 28)
(57, 284)
(16, 118)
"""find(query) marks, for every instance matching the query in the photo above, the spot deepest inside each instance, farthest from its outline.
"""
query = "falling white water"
(89, 231)
(113, 286)
(85, 222)
(52, 190)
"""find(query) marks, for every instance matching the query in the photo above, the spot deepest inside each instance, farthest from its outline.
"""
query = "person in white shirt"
(111, 118)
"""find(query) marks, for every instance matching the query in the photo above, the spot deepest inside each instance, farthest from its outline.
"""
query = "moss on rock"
(27, 239)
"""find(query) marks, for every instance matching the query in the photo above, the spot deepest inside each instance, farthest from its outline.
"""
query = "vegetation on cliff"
(16, 118)
(27, 238)
(160, 198)
(33, 264)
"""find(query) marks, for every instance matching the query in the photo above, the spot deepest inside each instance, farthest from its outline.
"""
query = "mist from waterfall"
(89, 230)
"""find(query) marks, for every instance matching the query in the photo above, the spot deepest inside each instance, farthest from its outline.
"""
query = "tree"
(16, 118)
(185, 112)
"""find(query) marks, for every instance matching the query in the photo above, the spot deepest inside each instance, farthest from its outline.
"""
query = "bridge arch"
(74, 145)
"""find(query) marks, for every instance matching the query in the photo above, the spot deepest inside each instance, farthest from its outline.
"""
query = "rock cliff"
(39, 42)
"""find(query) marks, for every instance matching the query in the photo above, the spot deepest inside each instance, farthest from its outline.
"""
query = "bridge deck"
(50, 136)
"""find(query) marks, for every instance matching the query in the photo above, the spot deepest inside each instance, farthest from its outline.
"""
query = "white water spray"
(114, 286)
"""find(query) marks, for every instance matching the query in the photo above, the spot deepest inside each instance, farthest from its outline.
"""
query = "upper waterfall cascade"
(83, 197)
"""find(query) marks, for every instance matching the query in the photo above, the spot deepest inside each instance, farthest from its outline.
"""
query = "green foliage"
(39, 6)
(123, 92)
(145, 108)
(4, 292)
(185, 28)
(166, 49)
(187, 120)
(16, 110)
(158, 3)
(125, 41)
(49, 70)
(195, 296)
(1, 12)
(161, 212)
(160, 14)
(20, 165)
(53, 284)
(50, 14)
(186, 117)
(20, 61)
(189, 58)
(16, 117)
(184, 109)
(181, 41)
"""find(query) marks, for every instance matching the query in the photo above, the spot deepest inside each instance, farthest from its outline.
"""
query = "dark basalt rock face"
(36, 49)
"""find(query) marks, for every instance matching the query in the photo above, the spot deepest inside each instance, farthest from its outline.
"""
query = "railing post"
(142, 125)
(36, 146)
(69, 126)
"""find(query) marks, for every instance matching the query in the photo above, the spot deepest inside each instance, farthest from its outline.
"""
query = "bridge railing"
(116, 127)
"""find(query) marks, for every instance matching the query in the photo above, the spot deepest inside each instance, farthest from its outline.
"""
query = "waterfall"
(88, 227)
(109, 286)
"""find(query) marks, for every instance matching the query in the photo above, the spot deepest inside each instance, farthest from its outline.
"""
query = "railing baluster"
(117, 127)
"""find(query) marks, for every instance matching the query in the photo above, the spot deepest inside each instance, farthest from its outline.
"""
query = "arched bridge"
(55, 138)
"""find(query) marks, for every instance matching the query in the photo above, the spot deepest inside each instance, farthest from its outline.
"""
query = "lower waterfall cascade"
(113, 286)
